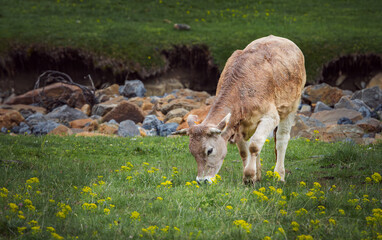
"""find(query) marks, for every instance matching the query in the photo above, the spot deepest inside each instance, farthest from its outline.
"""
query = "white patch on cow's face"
(209, 152)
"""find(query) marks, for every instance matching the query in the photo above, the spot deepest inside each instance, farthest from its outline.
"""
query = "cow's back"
(269, 70)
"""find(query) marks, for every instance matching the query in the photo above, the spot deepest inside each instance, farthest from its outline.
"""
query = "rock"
(365, 112)
(25, 110)
(103, 108)
(372, 97)
(187, 104)
(61, 130)
(344, 120)
(201, 113)
(167, 128)
(311, 122)
(305, 108)
(177, 120)
(35, 118)
(175, 113)
(43, 128)
(65, 114)
(147, 106)
(4, 130)
(10, 118)
(324, 93)
(125, 111)
(92, 134)
(86, 109)
(180, 26)
(375, 81)
(80, 123)
(298, 126)
(142, 132)
(336, 133)
(133, 88)
(59, 92)
(210, 100)
(332, 117)
(320, 106)
(370, 125)
(107, 128)
(108, 93)
(24, 128)
(128, 128)
(347, 102)
(195, 95)
(91, 126)
(151, 122)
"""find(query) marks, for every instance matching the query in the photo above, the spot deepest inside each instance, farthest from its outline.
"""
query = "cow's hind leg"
(252, 170)
(283, 136)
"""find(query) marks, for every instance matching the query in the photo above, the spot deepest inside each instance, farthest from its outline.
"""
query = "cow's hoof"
(249, 180)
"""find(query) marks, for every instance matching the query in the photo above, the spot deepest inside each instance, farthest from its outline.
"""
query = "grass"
(136, 31)
(141, 188)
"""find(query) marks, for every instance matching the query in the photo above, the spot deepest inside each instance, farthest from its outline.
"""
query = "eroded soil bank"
(185, 67)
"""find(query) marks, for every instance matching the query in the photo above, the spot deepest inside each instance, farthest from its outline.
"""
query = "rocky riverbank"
(326, 113)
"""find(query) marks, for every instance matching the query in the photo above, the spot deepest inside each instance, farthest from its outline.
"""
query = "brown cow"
(258, 90)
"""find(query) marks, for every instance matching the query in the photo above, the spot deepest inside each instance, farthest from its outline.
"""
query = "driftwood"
(51, 76)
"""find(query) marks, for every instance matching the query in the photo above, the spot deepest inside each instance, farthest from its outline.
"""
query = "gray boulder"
(128, 128)
(43, 128)
(167, 129)
(23, 128)
(371, 96)
(320, 106)
(133, 88)
(151, 122)
(35, 119)
(65, 114)
(354, 104)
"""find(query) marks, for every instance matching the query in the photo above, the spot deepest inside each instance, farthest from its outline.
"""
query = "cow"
(258, 92)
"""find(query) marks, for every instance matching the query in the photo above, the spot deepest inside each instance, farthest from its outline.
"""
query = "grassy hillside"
(136, 31)
(122, 188)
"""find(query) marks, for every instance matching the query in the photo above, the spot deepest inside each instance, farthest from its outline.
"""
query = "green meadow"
(143, 188)
(137, 31)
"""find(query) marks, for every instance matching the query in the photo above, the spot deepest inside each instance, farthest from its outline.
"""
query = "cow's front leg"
(283, 136)
(252, 171)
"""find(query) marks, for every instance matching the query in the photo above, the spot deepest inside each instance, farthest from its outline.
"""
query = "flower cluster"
(243, 225)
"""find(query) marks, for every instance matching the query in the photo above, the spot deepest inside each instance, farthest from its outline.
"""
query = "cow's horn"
(180, 132)
(214, 131)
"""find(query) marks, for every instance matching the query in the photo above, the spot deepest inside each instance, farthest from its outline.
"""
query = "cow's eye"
(209, 151)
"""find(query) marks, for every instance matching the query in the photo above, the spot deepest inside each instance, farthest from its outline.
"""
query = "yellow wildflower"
(283, 212)
(36, 229)
(243, 224)
(332, 221)
(56, 236)
(159, 198)
(229, 207)
(106, 211)
(281, 230)
(165, 229)
(377, 177)
(243, 200)
(21, 230)
(135, 216)
(13, 207)
(267, 238)
(50, 229)
(341, 211)
(4, 192)
(295, 226)
(32, 180)
(304, 237)
(176, 229)
(302, 184)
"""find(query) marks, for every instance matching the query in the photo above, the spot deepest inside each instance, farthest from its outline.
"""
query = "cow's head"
(207, 146)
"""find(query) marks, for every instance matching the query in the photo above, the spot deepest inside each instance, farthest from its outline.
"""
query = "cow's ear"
(192, 120)
(224, 123)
